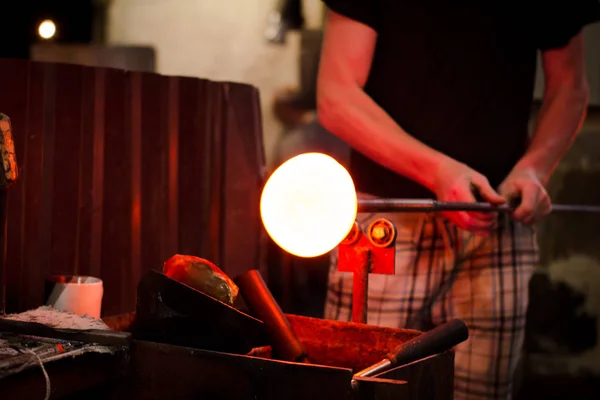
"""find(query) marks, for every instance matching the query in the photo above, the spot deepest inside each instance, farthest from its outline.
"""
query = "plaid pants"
(443, 272)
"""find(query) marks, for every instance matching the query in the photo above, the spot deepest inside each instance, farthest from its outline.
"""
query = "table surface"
(71, 366)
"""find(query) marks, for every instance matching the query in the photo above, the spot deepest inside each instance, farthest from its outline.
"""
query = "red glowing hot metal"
(364, 253)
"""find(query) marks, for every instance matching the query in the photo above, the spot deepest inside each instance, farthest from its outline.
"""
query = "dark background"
(19, 21)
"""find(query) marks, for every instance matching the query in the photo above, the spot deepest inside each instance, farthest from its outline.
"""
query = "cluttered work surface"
(184, 344)
(34, 363)
(19, 352)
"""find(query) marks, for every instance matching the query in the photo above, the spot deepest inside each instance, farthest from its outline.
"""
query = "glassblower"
(309, 207)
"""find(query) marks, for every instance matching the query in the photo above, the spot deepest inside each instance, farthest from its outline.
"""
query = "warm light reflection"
(309, 204)
(47, 29)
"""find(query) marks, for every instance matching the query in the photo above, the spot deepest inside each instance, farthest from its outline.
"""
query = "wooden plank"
(100, 115)
(90, 156)
(14, 103)
(193, 167)
(116, 204)
(135, 119)
(32, 168)
(48, 120)
(215, 96)
(154, 171)
(243, 176)
(171, 228)
(66, 170)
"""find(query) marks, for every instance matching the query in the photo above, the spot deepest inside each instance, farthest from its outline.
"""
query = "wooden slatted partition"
(120, 170)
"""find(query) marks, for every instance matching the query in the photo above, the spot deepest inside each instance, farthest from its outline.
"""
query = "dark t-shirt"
(459, 76)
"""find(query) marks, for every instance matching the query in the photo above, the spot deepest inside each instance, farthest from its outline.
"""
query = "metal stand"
(372, 252)
(360, 286)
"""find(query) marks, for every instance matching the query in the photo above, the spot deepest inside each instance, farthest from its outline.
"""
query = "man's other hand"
(456, 182)
(524, 184)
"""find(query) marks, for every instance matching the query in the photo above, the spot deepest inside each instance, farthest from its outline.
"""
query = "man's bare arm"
(347, 111)
(563, 109)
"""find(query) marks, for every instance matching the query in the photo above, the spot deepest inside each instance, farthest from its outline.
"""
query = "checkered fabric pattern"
(443, 272)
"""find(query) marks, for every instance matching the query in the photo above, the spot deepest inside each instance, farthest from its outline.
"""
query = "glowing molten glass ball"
(308, 205)
(47, 29)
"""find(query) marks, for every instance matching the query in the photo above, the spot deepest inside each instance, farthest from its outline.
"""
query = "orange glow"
(308, 205)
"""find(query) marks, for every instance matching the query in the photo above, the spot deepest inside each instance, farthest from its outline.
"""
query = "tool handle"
(433, 342)
(259, 299)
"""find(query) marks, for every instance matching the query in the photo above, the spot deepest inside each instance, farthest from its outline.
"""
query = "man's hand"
(563, 108)
(456, 182)
(525, 185)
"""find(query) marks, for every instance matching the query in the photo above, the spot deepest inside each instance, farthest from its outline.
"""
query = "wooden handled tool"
(259, 299)
(435, 341)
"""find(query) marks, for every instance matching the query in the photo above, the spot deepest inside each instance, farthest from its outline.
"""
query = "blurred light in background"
(59, 22)
(47, 29)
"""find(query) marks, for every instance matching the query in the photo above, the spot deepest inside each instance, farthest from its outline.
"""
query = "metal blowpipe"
(427, 205)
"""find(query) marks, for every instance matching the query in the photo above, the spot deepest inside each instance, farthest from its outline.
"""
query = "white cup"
(81, 295)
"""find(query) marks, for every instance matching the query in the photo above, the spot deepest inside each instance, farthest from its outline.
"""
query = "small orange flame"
(309, 204)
